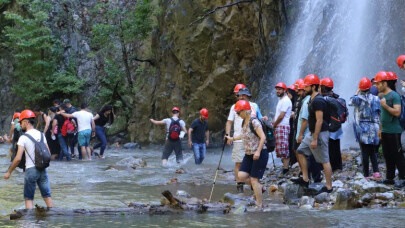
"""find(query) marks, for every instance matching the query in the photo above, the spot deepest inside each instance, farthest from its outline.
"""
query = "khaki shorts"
(238, 151)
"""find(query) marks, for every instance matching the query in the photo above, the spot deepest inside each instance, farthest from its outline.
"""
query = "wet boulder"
(236, 199)
(384, 196)
(183, 194)
(322, 198)
(130, 162)
(292, 193)
(346, 199)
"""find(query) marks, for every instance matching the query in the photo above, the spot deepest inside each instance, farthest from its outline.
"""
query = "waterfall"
(344, 40)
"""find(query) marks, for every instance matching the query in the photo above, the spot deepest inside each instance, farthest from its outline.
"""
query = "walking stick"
(216, 172)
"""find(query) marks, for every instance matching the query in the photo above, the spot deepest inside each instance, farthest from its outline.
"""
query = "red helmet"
(401, 60)
(204, 113)
(292, 87)
(242, 105)
(16, 115)
(381, 76)
(392, 76)
(365, 84)
(281, 85)
(176, 109)
(311, 79)
(26, 114)
(301, 86)
(299, 81)
(328, 82)
(238, 87)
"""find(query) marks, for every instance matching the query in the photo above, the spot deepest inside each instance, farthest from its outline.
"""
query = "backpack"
(268, 132)
(335, 123)
(342, 109)
(67, 127)
(42, 155)
(174, 129)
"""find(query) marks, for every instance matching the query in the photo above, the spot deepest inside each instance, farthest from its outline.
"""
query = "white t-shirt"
(284, 105)
(237, 120)
(83, 120)
(168, 121)
(30, 146)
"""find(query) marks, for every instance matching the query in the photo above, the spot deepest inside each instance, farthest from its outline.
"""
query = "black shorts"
(255, 168)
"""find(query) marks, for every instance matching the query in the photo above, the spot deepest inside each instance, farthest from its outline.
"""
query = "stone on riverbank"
(346, 199)
(292, 193)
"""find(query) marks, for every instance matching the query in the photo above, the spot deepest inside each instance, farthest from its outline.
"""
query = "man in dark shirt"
(198, 136)
(315, 143)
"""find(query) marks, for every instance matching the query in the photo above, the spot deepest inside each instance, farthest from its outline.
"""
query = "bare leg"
(83, 150)
(257, 188)
(244, 177)
(327, 169)
(88, 152)
(286, 162)
(164, 162)
(302, 159)
(48, 202)
(29, 204)
(236, 170)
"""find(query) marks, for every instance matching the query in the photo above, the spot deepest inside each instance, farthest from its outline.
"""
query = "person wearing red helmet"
(256, 156)
(14, 134)
(335, 155)
(390, 131)
(314, 168)
(316, 143)
(366, 125)
(401, 62)
(281, 124)
(175, 131)
(242, 93)
(198, 136)
(33, 176)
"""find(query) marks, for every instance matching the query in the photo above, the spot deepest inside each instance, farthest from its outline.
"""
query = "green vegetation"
(37, 55)
(114, 38)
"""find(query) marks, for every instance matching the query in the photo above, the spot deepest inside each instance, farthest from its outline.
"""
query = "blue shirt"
(303, 115)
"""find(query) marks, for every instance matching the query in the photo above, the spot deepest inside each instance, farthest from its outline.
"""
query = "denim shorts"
(33, 177)
(84, 137)
(255, 168)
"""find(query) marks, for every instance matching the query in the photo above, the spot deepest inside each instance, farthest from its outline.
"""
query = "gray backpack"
(42, 155)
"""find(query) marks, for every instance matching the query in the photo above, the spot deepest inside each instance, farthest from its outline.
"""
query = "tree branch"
(144, 60)
(220, 7)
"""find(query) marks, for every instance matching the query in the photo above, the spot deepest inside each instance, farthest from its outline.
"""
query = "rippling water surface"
(88, 184)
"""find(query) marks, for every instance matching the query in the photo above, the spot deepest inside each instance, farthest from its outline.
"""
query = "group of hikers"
(65, 127)
(307, 129)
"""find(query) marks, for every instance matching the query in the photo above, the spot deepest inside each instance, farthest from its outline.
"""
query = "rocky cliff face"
(199, 65)
(195, 66)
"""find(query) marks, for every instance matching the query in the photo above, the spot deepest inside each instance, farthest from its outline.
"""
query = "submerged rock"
(132, 146)
(130, 162)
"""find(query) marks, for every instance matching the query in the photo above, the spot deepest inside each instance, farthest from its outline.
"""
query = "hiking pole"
(216, 172)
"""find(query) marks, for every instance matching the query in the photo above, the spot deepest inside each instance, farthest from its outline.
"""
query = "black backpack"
(268, 132)
(335, 122)
(174, 130)
(42, 155)
(342, 109)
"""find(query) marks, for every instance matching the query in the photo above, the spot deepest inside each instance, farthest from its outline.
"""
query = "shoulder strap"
(34, 141)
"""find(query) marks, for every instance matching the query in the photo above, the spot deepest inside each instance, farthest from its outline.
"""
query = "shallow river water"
(88, 184)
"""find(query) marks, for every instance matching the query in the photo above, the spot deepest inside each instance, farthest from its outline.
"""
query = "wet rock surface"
(128, 163)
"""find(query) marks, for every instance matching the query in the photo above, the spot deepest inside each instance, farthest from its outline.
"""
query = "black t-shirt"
(102, 120)
(199, 129)
(318, 103)
(60, 120)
